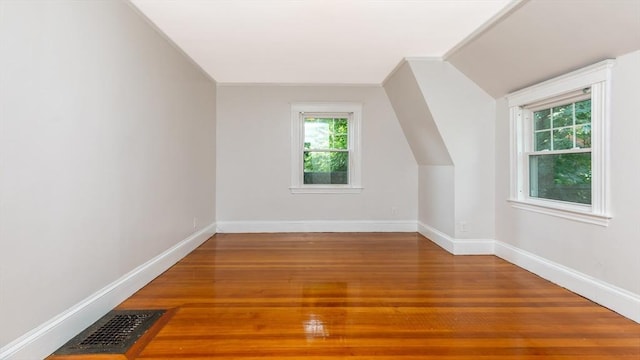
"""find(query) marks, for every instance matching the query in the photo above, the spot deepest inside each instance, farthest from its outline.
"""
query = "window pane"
(329, 167)
(583, 112)
(583, 136)
(325, 133)
(543, 140)
(564, 177)
(563, 139)
(542, 119)
(570, 127)
(562, 115)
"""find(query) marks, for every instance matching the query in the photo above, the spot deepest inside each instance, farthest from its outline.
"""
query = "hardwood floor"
(369, 296)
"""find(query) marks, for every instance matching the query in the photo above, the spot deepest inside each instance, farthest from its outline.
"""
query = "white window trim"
(297, 146)
(597, 77)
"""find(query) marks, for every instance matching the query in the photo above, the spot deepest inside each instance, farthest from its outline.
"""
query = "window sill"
(565, 213)
(325, 190)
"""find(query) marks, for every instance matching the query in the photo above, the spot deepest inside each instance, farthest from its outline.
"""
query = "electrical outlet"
(463, 226)
(394, 211)
(195, 223)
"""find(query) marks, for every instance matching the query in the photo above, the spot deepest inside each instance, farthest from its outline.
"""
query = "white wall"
(414, 115)
(609, 254)
(465, 115)
(436, 198)
(449, 122)
(107, 153)
(254, 144)
(436, 172)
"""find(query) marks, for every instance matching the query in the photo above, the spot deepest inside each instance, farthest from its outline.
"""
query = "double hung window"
(325, 148)
(559, 142)
(560, 155)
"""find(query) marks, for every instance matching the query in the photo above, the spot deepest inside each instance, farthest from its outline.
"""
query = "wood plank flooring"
(369, 296)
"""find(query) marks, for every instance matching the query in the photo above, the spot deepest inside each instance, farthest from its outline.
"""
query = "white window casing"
(594, 79)
(354, 110)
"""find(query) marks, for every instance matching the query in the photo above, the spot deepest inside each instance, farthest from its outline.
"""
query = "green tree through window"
(560, 166)
(326, 150)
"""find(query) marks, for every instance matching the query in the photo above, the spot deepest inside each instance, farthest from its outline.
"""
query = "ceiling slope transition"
(541, 39)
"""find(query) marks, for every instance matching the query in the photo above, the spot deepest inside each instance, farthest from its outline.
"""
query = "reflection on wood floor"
(369, 296)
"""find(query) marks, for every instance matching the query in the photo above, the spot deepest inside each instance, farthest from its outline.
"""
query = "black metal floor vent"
(114, 333)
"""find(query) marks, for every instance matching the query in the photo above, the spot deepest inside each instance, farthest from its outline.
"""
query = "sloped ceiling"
(502, 45)
(415, 118)
(541, 39)
(314, 41)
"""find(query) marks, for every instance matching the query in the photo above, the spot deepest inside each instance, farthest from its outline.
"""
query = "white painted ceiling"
(541, 39)
(314, 41)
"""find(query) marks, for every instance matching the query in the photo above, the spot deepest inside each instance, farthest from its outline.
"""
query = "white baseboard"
(48, 337)
(457, 246)
(610, 296)
(315, 226)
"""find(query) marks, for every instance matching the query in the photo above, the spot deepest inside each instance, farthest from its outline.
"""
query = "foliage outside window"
(325, 151)
(560, 163)
(559, 145)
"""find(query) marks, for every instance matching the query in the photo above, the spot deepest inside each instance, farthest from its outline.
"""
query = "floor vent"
(114, 333)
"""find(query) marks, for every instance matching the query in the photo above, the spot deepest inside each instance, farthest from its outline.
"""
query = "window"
(325, 148)
(560, 158)
(559, 145)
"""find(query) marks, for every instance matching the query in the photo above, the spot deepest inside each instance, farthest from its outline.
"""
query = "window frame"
(562, 90)
(353, 111)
